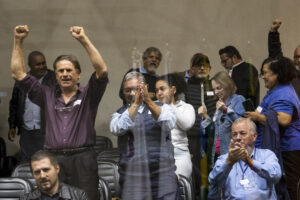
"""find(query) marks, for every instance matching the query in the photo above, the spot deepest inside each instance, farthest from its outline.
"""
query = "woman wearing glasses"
(280, 106)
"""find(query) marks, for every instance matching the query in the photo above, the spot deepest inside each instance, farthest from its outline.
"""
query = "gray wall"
(179, 28)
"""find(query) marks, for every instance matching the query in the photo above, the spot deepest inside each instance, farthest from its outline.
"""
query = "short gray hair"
(150, 50)
(250, 123)
(134, 75)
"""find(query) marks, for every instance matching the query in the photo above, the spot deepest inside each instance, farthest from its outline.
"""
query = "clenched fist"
(275, 25)
(77, 32)
(21, 31)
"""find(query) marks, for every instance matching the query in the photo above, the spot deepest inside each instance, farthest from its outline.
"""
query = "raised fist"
(21, 31)
(275, 25)
(77, 32)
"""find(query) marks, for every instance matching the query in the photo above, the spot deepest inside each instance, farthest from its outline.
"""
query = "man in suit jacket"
(244, 74)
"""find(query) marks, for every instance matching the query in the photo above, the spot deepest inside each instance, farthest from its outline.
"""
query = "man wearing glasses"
(244, 74)
(201, 96)
(70, 109)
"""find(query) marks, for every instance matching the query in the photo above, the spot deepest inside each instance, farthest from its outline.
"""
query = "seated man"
(45, 169)
(147, 166)
(245, 172)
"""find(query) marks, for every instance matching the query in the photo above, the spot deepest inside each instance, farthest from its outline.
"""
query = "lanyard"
(244, 171)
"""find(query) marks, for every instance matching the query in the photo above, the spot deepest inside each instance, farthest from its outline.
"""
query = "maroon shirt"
(68, 125)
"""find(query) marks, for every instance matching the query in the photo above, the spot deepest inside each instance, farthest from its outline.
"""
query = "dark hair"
(70, 58)
(152, 49)
(230, 52)
(199, 59)
(176, 80)
(283, 67)
(42, 154)
(34, 54)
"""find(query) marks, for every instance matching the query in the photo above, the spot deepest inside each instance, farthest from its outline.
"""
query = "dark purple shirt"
(68, 125)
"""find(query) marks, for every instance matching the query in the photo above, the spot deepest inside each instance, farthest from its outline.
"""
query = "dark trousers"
(30, 142)
(80, 170)
(195, 150)
(291, 161)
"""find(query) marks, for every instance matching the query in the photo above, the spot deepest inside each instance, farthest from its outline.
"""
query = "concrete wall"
(179, 28)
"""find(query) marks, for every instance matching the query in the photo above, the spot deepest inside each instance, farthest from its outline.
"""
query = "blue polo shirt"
(283, 99)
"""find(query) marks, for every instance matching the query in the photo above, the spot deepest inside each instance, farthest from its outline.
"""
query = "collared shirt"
(283, 99)
(223, 122)
(32, 113)
(120, 123)
(146, 152)
(230, 71)
(186, 76)
(144, 71)
(260, 181)
(69, 125)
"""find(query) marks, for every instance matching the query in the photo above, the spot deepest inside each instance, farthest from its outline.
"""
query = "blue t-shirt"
(283, 99)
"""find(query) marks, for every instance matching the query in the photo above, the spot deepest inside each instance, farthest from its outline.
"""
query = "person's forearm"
(219, 173)
(132, 110)
(17, 61)
(249, 162)
(95, 57)
(120, 123)
(155, 109)
(262, 119)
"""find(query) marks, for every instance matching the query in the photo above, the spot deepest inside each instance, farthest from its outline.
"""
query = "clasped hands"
(236, 152)
(142, 94)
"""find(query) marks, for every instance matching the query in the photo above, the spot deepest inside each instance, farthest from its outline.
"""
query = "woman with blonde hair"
(229, 107)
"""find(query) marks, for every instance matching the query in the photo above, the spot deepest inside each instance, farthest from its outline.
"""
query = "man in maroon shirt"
(70, 109)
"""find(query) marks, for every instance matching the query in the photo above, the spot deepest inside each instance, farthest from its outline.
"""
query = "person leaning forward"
(70, 109)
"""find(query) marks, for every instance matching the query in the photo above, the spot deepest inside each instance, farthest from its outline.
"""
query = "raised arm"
(17, 59)
(274, 44)
(95, 57)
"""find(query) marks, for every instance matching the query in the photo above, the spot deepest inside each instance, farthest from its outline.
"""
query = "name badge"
(259, 109)
(244, 182)
(210, 93)
(77, 102)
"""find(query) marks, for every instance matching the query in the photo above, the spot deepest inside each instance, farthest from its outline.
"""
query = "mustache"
(44, 180)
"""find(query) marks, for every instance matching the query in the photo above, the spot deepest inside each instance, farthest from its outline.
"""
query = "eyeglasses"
(224, 61)
(266, 74)
(205, 66)
(129, 90)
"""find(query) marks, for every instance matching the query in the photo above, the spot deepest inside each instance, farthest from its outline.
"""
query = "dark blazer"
(17, 103)
(245, 76)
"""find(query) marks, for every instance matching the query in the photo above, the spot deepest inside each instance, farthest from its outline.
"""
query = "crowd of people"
(214, 131)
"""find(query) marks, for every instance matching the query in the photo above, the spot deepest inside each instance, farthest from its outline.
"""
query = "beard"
(152, 68)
